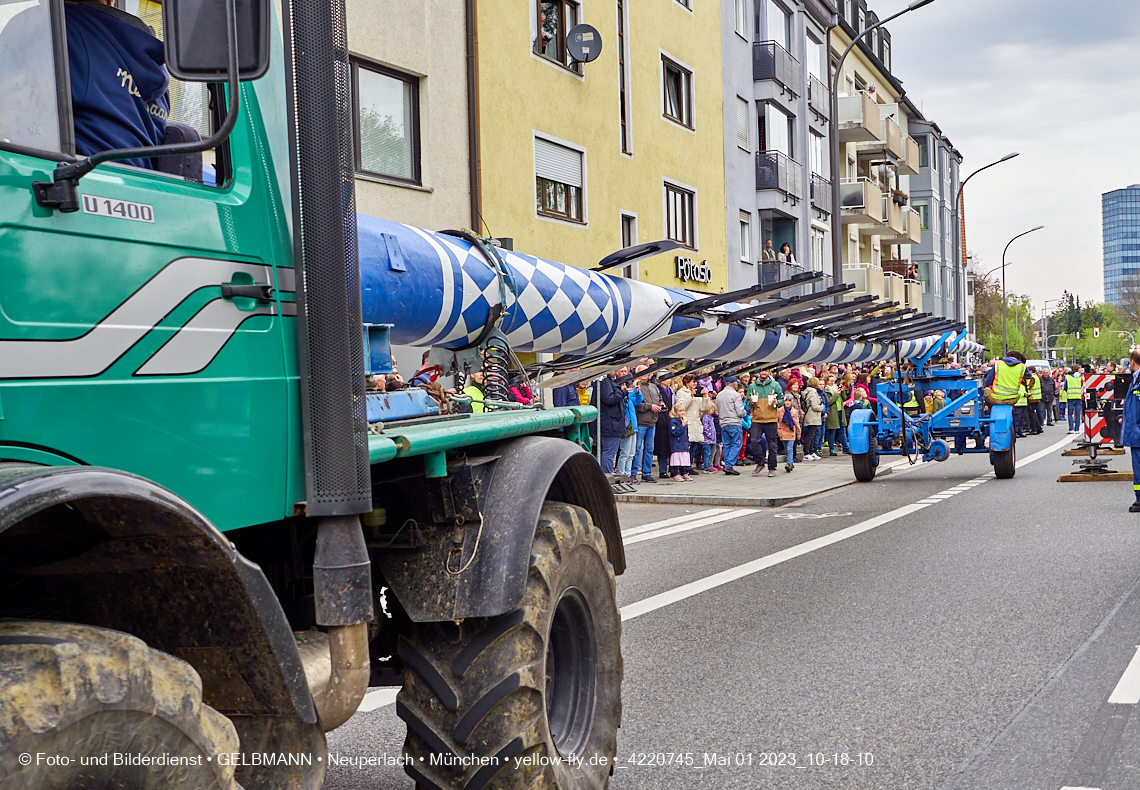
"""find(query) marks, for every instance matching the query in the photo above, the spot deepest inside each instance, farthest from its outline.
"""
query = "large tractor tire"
(1005, 462)
(865, 466)
(532, 687)
(74, 694)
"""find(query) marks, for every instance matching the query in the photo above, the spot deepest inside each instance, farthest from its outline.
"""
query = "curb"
(728, 501)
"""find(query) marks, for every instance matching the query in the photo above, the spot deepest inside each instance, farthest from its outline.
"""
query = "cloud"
(1056, 82)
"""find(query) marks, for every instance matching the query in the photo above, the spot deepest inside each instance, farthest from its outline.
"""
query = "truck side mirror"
(195, 34)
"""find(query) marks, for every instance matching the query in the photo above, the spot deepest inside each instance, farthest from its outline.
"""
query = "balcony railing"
(775, 170)
(859, 118)
(909, 165)
(861, 201)
(779, 272)
(770, 61)
(818, 99)
(821, 193)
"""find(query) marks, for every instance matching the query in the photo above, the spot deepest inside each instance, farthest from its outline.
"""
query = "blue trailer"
(961, 426)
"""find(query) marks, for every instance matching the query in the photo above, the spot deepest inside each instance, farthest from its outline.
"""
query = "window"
(742, 123)
(678, 93)
(777, 131)
(923, 152)
(623, 77)
(862, 21)
(814, 55)
(628, 239)
(740, 18)
(558, 181)
(387, 122)
(818, 246)
(680, 222)
(817, 142)
(779, 25)
(887, 54)
(554, 22)
(746, 236)
(923, 209)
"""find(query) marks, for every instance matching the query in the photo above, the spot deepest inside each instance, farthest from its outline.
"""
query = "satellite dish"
(584, 43)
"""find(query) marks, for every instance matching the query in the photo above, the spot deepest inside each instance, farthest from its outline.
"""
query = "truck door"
(118, 344)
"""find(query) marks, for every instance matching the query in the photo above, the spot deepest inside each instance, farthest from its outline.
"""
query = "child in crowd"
(708, 425)
(679, 458)
(788, 429)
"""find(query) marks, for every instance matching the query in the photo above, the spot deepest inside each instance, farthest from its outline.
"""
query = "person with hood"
(788, 429)
(119, 85)
(813, 417)
(612, 398)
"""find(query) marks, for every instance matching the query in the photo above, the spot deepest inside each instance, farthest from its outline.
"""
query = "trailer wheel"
(75, 694)
(506, 701)
(865, 466)
(1005, 462)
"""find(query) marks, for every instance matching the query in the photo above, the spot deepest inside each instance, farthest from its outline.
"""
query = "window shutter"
(742, 123)
(557, 163)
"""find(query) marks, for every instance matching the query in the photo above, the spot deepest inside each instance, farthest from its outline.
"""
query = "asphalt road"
(938, 629)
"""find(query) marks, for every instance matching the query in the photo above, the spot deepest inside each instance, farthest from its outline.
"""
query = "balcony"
(859, 120)
(888, 148)
(821, 193)
(910, 231)
(909, 166)
(867, 278)
(775, 170)
(818, 100)
(770, 61)
(779, 272)
(860, 201)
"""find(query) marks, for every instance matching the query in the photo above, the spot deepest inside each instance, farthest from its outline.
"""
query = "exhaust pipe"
(336, 667)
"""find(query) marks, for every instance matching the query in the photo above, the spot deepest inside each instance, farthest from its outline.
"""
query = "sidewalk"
(809, 477)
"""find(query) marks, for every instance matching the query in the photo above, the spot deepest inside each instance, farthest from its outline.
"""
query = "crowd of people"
(700, 423)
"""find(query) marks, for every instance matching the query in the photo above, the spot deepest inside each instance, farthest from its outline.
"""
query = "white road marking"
(693, 524)
(378, 698)
(1127, 691)
(1070, 787)
(671, 521)
(661, 600)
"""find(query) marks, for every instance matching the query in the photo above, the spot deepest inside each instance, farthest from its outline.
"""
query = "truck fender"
(529, 471)
(85, 543)
(1001, 428)
(860, 431)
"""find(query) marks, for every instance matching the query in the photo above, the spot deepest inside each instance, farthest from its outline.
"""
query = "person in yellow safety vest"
(1002, 381)
(1073, 382)
(1036, 410)
(1130, 425)
(911, 406)
(1020, 425)
(1062, 396)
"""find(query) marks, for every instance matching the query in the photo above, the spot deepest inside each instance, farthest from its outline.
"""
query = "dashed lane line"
(661, 600)
(1127, 691)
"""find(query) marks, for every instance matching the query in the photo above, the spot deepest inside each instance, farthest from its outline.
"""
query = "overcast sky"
(1057, 81)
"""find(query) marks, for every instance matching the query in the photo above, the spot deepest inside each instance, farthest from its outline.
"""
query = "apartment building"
(878, 157)
(1120, 217)
(579, 160)
(776, 137)
(410, 100)
(944, 279)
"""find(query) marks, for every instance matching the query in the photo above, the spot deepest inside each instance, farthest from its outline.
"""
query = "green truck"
(206, 555)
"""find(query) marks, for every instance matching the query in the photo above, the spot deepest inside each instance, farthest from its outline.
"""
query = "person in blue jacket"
(1130, 425)
(119, 84)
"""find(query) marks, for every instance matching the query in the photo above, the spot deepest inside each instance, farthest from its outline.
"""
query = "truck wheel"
(864, 467)
(83, 695)
(504, 702)
(1005, 462)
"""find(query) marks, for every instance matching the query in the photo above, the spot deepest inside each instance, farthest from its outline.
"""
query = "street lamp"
(958, 225)
(1045, 324)
(836, 209)
(1004, 340)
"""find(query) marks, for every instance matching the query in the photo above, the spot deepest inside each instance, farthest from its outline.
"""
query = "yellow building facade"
(577, 160)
